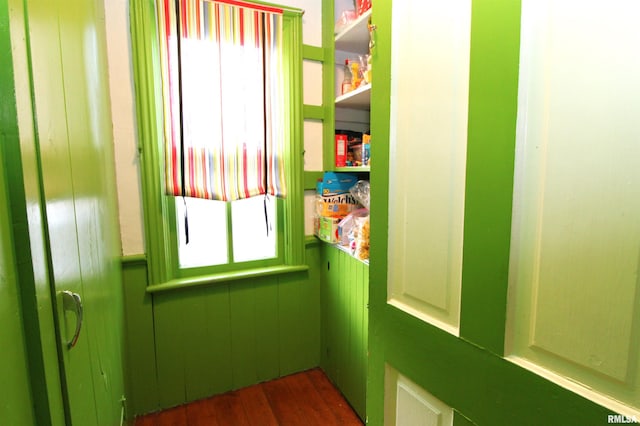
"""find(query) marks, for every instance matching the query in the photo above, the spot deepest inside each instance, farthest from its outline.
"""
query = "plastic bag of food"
(363, 231)
(347, 228)
(360, 192)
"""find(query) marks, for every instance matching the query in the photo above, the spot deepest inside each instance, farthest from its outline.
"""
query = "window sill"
(182, 283)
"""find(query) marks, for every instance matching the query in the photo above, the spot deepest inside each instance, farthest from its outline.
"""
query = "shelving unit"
(344, 277)
(351, 37)
(352, 108)
(359, 98)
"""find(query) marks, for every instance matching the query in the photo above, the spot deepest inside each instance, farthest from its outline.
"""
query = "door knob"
(71, 302)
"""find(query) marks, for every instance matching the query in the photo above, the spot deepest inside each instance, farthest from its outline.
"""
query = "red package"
(362, 6)
(341, 150)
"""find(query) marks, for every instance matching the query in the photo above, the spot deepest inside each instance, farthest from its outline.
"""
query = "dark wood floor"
(304, 399)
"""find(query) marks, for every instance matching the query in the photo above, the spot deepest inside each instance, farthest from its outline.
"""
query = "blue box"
(336, 183)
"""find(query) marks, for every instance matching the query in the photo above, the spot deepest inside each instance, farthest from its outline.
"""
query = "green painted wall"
(468, 373)
(34, 298)
(191, 343)
(345, 322)
(16, 406)
(58, 146)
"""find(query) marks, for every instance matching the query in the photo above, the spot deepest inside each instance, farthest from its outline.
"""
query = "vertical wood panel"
(243, 334)
(358, 355)
(197, 345)
(294, 323)
(170, 347)
(350, 282)
(218, 326)
(142, 394)
(17, 405)
(311, 307)
(267, 329)
(212, 339)
(328, 311)
(365, 339)
(345, 324)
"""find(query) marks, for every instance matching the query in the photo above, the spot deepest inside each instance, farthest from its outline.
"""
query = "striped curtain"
(222, 83)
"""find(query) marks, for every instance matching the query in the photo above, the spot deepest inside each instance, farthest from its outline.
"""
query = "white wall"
(123, 112)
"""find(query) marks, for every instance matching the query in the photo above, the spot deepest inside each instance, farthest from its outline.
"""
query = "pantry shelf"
(355, 36)
(345, 249)
(353, 169)
(359, 98)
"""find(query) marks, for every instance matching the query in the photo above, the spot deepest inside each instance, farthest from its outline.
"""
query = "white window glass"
(207, 232)
(251, 241)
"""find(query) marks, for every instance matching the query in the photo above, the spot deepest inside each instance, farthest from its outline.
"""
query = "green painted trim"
(145, 59)
(493, 101)
(229, 231)
(313, 53)
(20, 405)
(294, 207)
(328, 85)
(182, 283)
(460, 420)
(311, 241)
(313, 112)
(133, 260)
(18, 138)
(484, 387)
(311, 178)
(379, 177)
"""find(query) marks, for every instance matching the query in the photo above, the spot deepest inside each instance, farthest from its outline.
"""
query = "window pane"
(250, 239)
(207, 232)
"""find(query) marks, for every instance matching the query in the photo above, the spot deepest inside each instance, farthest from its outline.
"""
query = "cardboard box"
(326, 228)
(341, 150)
(335, 183)
(338, 205)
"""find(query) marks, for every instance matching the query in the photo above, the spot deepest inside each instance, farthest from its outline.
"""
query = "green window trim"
(157, 206)
(224, 277)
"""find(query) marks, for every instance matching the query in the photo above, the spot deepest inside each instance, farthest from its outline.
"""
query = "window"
(227, 235)
(226, 239)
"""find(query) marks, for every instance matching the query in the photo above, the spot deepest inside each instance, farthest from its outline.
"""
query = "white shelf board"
(355, 36)
(356, 99)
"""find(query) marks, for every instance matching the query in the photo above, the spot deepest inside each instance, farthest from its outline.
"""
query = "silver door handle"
(71, 302)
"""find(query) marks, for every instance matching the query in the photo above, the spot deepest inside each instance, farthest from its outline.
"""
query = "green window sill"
(181, 283)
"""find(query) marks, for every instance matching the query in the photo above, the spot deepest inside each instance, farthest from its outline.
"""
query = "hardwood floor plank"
(172, 417)
(256, 406)
(202, 413)
(282, 402)
(308, 400)
(339, 406)
(228, 410)
(147, 420)
(302, 399)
